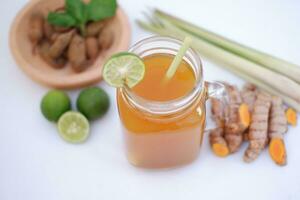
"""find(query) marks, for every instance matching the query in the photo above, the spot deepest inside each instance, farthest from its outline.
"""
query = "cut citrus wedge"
(124, 69)
(73, 127)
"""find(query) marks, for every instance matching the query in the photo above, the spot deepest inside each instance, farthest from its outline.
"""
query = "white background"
(36, 164)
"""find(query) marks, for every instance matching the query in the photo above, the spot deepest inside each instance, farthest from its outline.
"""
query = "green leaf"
(75, 8)
(85, 13)
(61, 19)
(101, 9)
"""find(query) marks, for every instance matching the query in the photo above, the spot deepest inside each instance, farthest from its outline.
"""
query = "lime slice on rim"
(124, 68)
(73, 127)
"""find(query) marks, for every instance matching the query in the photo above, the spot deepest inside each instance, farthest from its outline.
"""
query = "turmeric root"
(258, 131)
(238, 119)
(246, 136)
(216, 136)
(291, 116)
(60, 44)
(248, 94)
(244, 116)
(277, 151)
(77, 53)
(277, 127)
(218, 143)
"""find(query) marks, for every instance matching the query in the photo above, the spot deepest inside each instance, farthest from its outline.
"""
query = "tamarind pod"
(92, 48)
(60, 44)
(94, 28)
(35, 29)
(77, 53)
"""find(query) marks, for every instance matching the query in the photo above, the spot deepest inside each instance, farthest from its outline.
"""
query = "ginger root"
(277, 127)
(258, 131)
(238, 119)
(216, 136)
(291, 116)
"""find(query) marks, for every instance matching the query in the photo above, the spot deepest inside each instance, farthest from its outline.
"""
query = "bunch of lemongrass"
(270, 74)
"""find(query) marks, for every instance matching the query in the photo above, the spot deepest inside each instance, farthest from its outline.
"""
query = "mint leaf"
(78, 13)
(61, 19)
(75, 8)
(101, 9)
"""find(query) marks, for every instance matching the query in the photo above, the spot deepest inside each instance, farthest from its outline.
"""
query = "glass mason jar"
(167, 133)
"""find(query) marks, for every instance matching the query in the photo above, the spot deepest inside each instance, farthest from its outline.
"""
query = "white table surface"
(36, 164)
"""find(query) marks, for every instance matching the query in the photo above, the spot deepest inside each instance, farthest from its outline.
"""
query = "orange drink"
(154, 87)
(163, 120)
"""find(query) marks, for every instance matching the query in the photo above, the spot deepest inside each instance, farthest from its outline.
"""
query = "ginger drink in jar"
(163, 121)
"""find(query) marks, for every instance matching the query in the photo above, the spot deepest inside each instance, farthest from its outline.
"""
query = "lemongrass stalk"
(289, 101)
(278, 82)
(281, 83)
(178, 58)
(276, 64)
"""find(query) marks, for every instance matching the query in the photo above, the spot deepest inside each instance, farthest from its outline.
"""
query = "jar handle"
(216, 90)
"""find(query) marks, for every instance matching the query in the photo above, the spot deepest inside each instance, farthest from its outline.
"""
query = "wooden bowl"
(36, 68)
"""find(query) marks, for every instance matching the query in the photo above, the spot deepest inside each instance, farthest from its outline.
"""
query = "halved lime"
(124, 68)
(73, 127)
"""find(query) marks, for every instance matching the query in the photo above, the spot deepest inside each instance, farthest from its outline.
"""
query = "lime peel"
(124, 68)
(93, 102)
(54, 104)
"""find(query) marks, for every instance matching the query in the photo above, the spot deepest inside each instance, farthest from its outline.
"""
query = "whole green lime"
(54, 104)
(93, 102)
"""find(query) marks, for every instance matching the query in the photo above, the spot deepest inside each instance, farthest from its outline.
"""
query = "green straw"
(177, 60)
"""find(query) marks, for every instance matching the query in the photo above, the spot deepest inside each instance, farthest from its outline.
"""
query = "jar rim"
(174, 105)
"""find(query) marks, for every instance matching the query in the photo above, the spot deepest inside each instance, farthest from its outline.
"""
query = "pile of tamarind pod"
(252, 116)
(59, 46)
